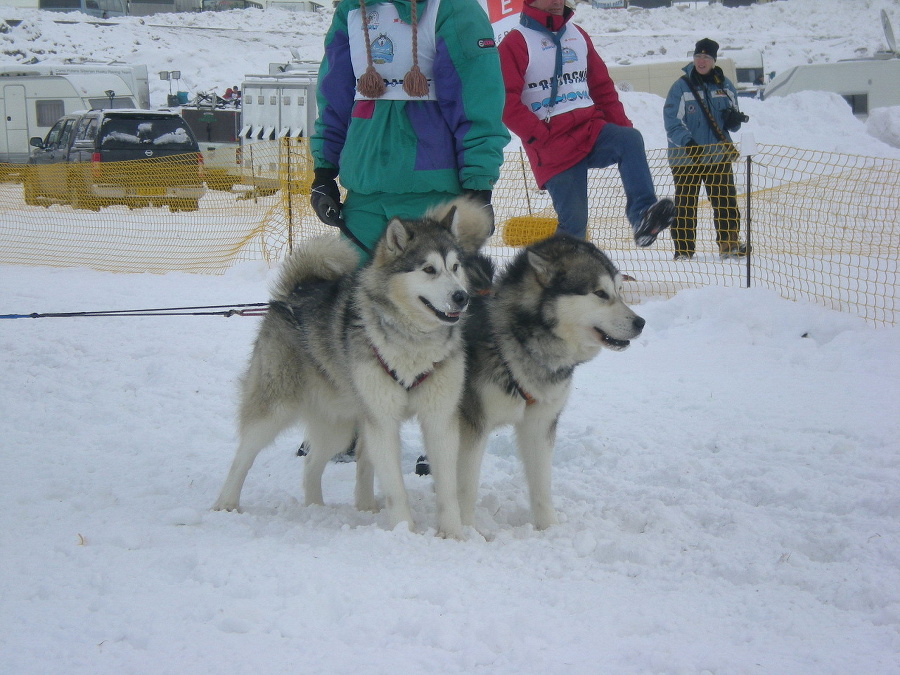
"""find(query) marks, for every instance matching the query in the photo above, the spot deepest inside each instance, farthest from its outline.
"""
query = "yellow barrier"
(823, 226)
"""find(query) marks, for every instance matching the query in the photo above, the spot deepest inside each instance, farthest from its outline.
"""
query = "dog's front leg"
(441, 437)
(382, 445)
(536, 437)
(471, 453)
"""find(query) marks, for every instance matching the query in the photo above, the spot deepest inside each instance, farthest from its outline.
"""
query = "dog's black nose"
(460, 298)
(639, 323)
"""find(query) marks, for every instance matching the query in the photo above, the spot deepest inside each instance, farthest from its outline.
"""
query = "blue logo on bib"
(382, 50)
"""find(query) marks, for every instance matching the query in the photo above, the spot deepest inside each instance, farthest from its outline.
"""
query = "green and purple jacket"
(448, 141)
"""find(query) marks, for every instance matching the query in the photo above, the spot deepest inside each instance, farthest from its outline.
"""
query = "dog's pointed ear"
(470, 222)
(451, 221)
(541, 267)
(396, 237)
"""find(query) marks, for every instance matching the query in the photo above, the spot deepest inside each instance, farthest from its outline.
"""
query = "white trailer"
(865, 84)
(34, 97)
(657, 78)
(280, 104)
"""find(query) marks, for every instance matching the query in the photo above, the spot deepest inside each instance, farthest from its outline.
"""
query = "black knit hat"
(708, 47)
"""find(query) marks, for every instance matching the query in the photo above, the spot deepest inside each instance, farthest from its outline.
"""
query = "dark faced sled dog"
(348, 351)
(556, 305)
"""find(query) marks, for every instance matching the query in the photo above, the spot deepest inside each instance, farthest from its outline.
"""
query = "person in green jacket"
(410, 101)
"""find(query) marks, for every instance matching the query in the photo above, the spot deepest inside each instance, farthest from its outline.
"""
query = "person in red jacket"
(563, 106)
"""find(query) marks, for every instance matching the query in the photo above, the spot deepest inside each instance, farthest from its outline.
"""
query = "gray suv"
(89, 159)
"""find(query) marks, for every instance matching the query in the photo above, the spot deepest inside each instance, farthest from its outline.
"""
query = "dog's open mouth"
(449, 317)
(611, 342)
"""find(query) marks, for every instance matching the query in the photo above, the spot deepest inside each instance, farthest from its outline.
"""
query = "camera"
(733, 116)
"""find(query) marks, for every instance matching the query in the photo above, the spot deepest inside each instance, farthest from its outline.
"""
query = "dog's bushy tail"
(325, 258)
(475, 221)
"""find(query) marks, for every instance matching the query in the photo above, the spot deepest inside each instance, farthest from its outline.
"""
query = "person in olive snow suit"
(697, 154)
(405, 129)
(563, 106)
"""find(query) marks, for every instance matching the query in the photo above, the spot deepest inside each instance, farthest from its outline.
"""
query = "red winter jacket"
(567, 138)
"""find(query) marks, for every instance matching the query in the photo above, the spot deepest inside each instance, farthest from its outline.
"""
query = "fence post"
(287, 188)
(748, 145)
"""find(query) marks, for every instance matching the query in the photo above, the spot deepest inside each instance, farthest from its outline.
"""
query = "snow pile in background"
(884, 124)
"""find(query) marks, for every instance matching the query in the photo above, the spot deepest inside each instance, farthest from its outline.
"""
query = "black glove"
(733, 118)
(483, 197)
(325, 197)
(693, 150)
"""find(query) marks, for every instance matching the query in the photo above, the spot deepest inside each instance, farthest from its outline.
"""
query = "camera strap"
(709, 118)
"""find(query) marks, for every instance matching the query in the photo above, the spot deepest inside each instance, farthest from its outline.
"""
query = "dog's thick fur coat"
(556, 305)
(348, 351)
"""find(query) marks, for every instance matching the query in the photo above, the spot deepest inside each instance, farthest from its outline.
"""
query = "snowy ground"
(728, 486)
(728, 489)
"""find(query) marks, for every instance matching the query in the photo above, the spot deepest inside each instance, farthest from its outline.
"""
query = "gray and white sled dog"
(348, 351)
(555, 306)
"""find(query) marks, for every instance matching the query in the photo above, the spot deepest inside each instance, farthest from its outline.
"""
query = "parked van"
(33, 98)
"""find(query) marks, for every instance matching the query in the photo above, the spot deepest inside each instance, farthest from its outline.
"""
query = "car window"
(66, 134)
(90, 133)
(53, 135)
(169, 133)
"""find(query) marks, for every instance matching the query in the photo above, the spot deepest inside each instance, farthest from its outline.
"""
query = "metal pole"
(748, 147)
(288, 186)
(749, 215)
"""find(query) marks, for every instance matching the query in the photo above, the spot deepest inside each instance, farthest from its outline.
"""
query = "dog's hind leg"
(325, 440)
(365, 480)
(254, 437)
(536, 437)
(472, 443)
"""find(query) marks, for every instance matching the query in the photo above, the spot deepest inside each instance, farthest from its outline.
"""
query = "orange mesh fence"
(823, 226)
(154, 215)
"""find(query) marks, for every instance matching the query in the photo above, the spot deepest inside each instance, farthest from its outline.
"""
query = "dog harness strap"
(529, 399)
(421, 377)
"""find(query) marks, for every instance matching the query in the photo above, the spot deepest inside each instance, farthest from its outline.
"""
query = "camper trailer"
(657, 78)
(865, 83)
(298, 5)
(276, 105)
(100, 9)
(147, 7)
(33, 98)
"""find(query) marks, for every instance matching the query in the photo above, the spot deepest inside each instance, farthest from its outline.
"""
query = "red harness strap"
(421, 377)
(529, 399)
